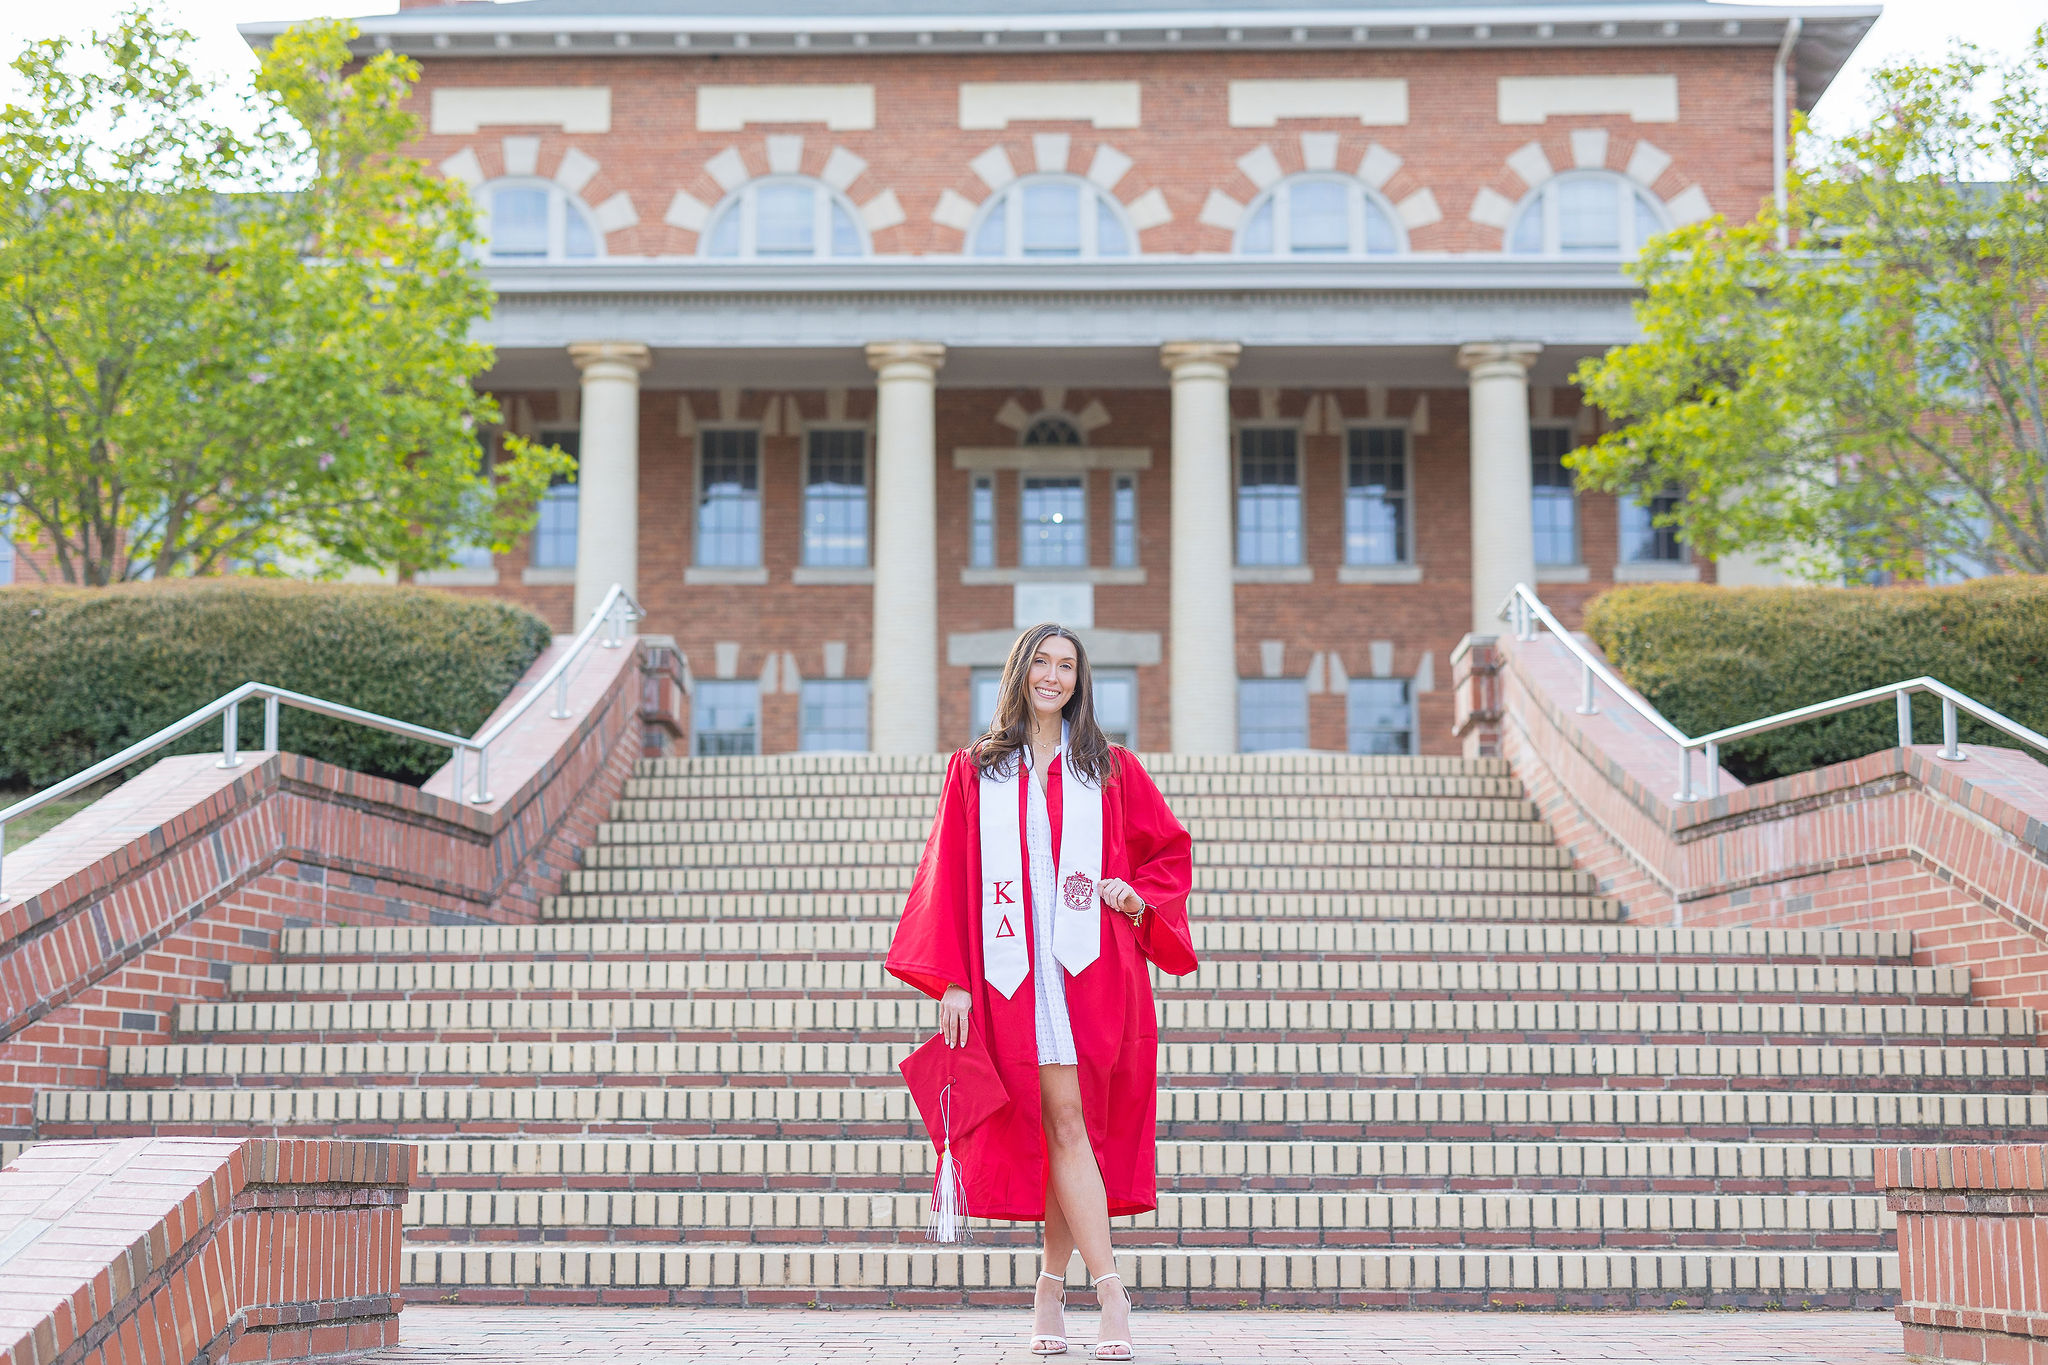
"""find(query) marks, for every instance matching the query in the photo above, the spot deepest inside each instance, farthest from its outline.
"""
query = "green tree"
(1872, 396)
(223, 349)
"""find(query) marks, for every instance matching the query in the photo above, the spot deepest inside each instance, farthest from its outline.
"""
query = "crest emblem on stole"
(1077, 889)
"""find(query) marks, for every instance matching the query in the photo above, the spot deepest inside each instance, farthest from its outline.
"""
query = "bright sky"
(1908, 27)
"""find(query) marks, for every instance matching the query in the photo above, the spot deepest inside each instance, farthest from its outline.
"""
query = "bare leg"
(1077, 1184)
(1048, 1313)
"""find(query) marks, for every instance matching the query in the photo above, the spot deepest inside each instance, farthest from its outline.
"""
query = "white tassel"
(948, 1221)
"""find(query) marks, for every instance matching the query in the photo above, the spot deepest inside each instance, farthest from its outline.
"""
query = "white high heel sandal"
(1045, 1343)
(1109, 1348)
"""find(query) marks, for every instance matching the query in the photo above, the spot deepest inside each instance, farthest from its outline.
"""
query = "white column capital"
(923, 357)
(610, 359)
(1195, 357)
(1498, 359)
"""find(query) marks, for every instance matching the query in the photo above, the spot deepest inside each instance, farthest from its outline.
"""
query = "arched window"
(784, 217)
(1050, 216)
(1052, 429)
(1319, 215)
(535, 220)
(1586, 213)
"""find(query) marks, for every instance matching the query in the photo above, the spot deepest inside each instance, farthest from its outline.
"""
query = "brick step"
(724, 829)
(1209, 795)
(1242, 1021)
(1157, 763)
(1205, 1113)
(1211, 907)
(1268, 880)
(746, 806)
(916, 1274)
(1689, 1065)
(1213, 862)
(1267, 1220)
(870, 941)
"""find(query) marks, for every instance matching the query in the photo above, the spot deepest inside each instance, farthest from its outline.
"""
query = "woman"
(1054, 873)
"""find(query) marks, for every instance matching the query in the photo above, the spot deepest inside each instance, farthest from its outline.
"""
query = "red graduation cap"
(955, 1089)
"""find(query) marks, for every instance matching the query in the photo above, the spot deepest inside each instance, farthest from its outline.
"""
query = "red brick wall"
(1973, 1250)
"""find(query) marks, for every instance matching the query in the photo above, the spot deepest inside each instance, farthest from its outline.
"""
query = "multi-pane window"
(1123, 550)
(1055, 522)
(1382, 716)
(1643, 541)
(1268, 496)
(981, 522)
(1376, 496)
(1586, 213)
(832, 713)
(785, 217)
(726, 718)
(1272, 713)
(983, 686)
(1318, 215)
(1053, 429)
(1554, 508)
(535, 221)
(729, 498)
(1051, 216)
(554, 535)
(1116, 704)
(836, 498)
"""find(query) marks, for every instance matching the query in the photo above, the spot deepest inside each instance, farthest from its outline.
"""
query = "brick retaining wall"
(1956, 852)
(146, 899)
(1973, 1250)
(180, 1250)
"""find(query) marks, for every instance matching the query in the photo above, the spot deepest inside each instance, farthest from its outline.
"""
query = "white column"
(608, 471)
(1503, 537)
(903, 675)
(1203, 616)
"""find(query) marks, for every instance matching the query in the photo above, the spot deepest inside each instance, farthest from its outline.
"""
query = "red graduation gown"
(1116, 1033)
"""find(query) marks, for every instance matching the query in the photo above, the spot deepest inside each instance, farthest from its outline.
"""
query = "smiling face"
(1055, 666)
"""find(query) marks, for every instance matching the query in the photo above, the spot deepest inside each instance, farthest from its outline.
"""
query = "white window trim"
(1300, 572)
(743, 201)
(1559, 573)
(1010, 202)
(698, 571)
(1361, 195)
(1544, 198)
(547, 433)
(1137, 694)
(803, 491)
(995, 517)
(560, 206)
(1087, 530)
(1396, 569)
(695, 729)
(1137, 521)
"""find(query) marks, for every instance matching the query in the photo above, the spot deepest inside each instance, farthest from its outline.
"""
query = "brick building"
(1238, 335)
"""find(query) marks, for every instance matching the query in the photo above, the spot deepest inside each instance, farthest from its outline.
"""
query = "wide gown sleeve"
(1162, 870)
(931, 949)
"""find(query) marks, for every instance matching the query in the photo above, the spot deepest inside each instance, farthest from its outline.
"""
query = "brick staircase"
(1424, 1063)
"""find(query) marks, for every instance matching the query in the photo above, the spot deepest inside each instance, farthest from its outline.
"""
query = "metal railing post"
(1684, 774)
(483, 778)
(1949, 750)
(455, 772)
(613, 636)
(1905, 719)
(561, 711)
(270, 724)
(231, 736)
(1589, 705)
(3, 862)
(1713, 771)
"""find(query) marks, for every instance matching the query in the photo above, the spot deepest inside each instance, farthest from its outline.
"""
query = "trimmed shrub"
(85, 672)
(1709, 657)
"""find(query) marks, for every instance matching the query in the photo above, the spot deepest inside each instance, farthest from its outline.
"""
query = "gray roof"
(789, 27)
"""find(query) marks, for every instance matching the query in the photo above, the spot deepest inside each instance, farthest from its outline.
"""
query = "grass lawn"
(47, 817)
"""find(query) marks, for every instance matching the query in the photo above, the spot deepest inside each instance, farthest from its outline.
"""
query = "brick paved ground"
(536, 1336)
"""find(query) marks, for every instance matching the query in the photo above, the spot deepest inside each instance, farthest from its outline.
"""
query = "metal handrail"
(612, 614)
(1524, 611)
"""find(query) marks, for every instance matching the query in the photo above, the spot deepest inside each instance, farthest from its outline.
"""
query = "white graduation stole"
(1077, 922)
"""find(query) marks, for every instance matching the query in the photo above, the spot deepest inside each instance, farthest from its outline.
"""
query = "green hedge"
(1708, 657)
(85, 672)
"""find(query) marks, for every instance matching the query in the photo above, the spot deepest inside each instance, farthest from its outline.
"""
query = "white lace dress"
(1055, 1031)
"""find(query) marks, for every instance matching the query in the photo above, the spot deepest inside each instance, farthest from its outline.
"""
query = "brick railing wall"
(176, 1250)
(146, 899)
(1955, 852)
(1973, 1250)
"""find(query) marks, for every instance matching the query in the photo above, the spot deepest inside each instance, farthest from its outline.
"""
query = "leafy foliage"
(1870, 399)
(1709, 657)
(221, 351)
(86, 672)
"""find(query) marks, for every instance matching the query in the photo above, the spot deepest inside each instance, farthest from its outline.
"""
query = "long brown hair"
(1088, 751)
